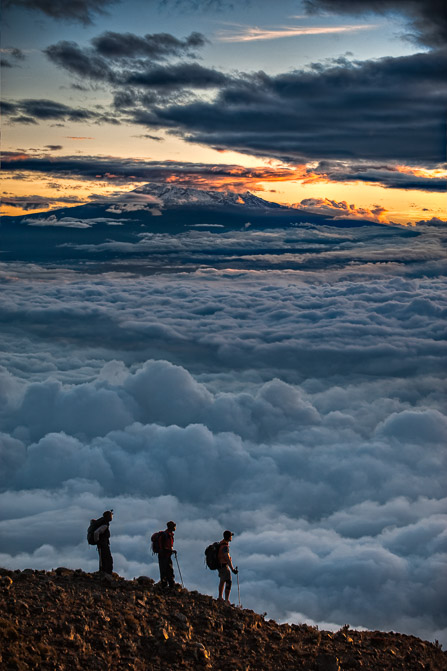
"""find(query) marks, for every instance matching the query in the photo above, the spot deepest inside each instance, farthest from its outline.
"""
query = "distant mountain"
(138, 225)
(171, 196)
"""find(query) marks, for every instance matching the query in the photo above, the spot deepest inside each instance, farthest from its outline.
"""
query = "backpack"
(94, 524)
(212, 556)
(155, 542)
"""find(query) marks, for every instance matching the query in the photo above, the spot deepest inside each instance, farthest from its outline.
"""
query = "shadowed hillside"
(65, 620)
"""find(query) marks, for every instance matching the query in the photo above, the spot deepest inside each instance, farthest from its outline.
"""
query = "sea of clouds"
(305, 411)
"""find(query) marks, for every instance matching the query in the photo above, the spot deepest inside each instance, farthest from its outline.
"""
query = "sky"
(321, 99)
(285, 383)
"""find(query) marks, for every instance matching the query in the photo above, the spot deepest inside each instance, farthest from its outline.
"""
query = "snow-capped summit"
(171, 196)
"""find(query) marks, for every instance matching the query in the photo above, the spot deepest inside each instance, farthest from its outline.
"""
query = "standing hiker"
(165, 552)
(225, 565)
(101, 537)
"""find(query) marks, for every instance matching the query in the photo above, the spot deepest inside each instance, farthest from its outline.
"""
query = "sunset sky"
(327, 100)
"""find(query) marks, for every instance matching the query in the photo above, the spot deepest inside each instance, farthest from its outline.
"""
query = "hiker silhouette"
(165, 552)
(99, 534)
(225, 565)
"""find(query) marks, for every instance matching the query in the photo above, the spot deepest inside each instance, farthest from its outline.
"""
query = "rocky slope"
(68, 620)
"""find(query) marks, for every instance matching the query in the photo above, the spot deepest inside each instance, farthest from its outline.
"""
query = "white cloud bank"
(303, 411)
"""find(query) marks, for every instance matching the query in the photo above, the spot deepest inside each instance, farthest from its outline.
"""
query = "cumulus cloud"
(429, 426)
(342, 210)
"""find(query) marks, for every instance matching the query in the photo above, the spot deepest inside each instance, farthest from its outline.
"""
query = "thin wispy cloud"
(253, 33)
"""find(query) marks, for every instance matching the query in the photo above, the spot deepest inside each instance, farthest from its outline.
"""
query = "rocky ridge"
(70, 620)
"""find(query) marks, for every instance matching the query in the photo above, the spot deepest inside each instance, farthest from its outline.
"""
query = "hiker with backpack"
(99, 534)
(163, 545)
(225, 565)
(217, 556)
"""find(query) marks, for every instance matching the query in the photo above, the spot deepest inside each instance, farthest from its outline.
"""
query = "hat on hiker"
(171, 525)
(108, 514)
(228, 534)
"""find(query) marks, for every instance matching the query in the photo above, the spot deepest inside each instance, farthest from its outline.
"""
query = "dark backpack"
(94, 524)
(212, 556)
(155, 542)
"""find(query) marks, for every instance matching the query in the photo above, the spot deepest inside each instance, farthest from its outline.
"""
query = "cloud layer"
(218, 176)
(303, 410)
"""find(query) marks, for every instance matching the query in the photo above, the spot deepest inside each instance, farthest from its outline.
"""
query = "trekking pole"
(179, 572)
(238, 588)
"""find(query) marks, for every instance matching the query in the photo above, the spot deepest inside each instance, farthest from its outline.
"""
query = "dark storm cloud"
(95, 167)
(122, 171)
(49, 109)
(428, 18)
(178, 76)
(82, 63)
(389, 176)
(157, 46)
(190, 174)
(126, 60)
(76, 10)
(8, 108)
(388, 109)
(35, 110)
(84, 10)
